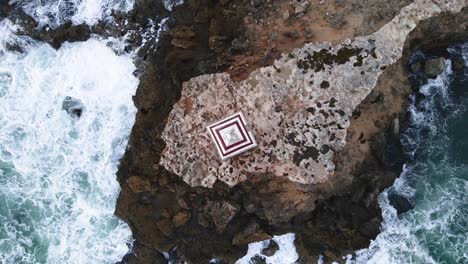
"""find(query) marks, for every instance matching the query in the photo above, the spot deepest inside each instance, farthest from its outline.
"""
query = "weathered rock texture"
(298, 109)
(334, 217)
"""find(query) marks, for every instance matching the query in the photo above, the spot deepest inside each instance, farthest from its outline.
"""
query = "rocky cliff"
(324, 90)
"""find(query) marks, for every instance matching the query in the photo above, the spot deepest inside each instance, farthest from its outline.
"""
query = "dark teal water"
(435, 180)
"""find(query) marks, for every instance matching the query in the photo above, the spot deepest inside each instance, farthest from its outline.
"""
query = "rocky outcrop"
(299, 108)
(331, 214)
(434, 67)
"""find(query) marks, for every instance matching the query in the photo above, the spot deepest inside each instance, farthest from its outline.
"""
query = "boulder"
(271, 249)
(258, 259)
(400, 203)
(458, 63)
(73, 106)
(5, 78)
(434, 67)
(300, 6)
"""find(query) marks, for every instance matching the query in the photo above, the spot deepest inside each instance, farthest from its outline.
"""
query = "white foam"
(57, 174)
(170, 4)
(56, 12)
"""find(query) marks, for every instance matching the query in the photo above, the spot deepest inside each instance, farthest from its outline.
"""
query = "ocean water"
(58, 187)
(53, 13)
(435, 180)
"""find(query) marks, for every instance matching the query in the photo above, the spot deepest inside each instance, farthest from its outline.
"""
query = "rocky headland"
(324, 88)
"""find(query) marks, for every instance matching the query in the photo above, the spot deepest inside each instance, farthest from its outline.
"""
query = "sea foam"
(57, 172)
(57, 12)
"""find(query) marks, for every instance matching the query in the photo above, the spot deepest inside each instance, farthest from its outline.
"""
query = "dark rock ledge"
(165, 213)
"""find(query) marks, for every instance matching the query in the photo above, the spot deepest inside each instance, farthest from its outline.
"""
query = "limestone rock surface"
(299, 109)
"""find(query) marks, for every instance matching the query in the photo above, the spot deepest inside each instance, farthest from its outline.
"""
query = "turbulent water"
(435, 180)
(56, 12)
(57, 172)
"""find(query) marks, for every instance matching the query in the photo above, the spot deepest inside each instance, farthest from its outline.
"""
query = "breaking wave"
(57, 168)
(56, 12)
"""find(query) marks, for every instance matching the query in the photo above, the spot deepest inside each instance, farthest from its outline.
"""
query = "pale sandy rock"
(300, 6)
(221, 213)
(298, 109)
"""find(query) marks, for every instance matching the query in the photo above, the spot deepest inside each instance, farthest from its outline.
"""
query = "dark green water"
(435, 180)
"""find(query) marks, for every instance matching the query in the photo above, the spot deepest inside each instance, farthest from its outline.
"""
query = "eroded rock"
(271, 249)
(73, 106)
(400, 203)
(221, 213)
(298, 109)
(434, 67)
(458, 63)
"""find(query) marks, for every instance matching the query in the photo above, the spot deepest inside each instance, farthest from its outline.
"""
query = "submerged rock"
(181, 218)
(300, 6)
(458, 63)
(271, 249)
(258, 259)
(400, 203)
(416, 67)
(434, 67)
(73, 106)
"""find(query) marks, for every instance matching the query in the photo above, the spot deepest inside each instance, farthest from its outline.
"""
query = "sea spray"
(57, 172)
(54, 13)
